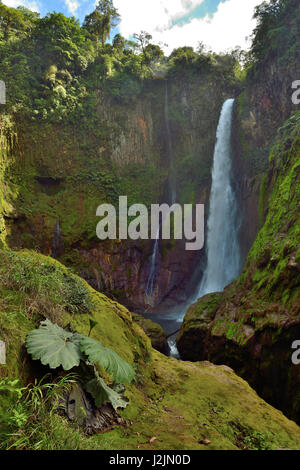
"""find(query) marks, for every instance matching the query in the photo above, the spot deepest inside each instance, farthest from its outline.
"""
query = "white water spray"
(223, 254)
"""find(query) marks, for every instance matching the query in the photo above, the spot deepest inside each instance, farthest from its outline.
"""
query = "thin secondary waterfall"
(150, 286)
(56, 240)
(172, 178)
(151, 278)
(223, 253)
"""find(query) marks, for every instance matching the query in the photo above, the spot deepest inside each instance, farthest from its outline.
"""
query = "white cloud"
(32, 5)
(72, 6)
(151, 15)
(226, 28)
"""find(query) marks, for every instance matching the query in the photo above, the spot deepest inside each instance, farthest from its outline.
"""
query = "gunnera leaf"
(108, 359)
(102, 393)
(54, 346)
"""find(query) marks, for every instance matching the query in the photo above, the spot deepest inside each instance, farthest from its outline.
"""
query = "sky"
(220, 24)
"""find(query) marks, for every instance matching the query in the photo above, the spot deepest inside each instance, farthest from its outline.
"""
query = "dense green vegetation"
(276, 36)
(53, 65)
(85, 122)
(181, 405)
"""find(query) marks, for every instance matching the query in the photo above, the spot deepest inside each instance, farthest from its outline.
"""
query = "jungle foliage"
(53, 66)
(276, 36)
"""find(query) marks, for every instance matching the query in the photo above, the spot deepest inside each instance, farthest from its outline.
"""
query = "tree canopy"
(277, 31)
(100, 22)
(53, 65)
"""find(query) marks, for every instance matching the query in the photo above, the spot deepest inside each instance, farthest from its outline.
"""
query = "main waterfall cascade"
(150, 286)
(222, 247)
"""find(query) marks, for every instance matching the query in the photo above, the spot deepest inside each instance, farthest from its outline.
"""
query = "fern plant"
(57, 347)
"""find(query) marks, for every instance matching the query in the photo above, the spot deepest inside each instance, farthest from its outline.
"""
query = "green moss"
(262, 199)
(259, 312)
(180, 404)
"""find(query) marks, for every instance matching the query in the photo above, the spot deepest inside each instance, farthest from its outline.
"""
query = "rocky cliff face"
(261, 109)
(253, 324)
(7, 187)
(62, 172)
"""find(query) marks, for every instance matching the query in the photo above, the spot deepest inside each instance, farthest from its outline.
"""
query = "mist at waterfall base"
(222, 247)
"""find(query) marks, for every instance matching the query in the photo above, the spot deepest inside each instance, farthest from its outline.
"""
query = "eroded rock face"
(122, 271)
(65, 179)
(253, 324)
(217, 329)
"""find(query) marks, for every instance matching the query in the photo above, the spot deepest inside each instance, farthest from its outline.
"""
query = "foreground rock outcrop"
(154, 331)
(172, 404)
(253, 324)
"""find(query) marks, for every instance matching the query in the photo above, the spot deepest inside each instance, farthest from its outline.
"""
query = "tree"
(266, 15)
(183, 56)
(93, 23)
(119, 43)
(151, 52)
(100, 22)
(11, 20)
(143, 39)
(60, 41)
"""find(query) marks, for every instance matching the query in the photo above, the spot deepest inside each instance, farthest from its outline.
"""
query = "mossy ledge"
(181, 404)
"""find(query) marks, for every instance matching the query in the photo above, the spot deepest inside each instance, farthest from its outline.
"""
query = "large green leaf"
(102, 393)
(54, 346)
(108, 359)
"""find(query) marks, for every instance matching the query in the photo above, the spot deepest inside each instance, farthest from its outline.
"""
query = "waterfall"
(151, 278)
(172, 178)
(222, 247)
(57, 242)
(172, 197)
(223, 254)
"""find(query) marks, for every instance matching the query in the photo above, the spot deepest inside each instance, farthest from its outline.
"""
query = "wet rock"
(154, 331)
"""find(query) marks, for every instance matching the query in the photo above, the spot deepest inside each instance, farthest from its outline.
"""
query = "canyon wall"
(264, 104)
(253, 324)
(61, 172)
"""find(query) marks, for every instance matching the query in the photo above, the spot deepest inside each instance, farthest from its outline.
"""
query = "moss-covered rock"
(252, 326)
(181, 405)
(154, 331)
